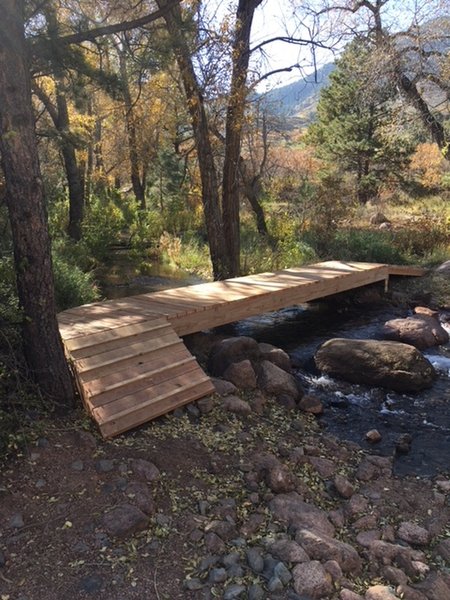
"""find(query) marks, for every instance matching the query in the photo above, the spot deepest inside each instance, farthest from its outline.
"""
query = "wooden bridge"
(130, 362)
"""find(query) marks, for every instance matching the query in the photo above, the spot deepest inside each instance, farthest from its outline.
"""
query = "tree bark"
(233, 131)
(137, 181)
(196, 106)
(26, 208)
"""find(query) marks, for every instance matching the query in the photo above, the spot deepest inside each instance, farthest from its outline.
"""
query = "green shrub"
(73, 287)
(102, 227)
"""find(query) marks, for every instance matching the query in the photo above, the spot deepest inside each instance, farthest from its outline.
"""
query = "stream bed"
(350, 410)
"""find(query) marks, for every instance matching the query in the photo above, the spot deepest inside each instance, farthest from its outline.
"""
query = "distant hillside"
(297, 101)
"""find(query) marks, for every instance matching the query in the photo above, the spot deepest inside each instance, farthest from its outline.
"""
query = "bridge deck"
(131, 366)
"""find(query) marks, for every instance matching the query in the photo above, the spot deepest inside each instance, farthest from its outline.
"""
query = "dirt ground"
(185, 472)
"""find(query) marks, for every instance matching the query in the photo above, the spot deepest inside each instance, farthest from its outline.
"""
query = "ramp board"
(134, 373)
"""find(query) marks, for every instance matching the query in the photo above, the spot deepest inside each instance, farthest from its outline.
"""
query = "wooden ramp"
(130, 363)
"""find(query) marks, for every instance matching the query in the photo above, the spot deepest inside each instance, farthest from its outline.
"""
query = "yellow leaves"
(428, 165)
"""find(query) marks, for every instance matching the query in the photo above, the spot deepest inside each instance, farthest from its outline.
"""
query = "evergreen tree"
(356, 126)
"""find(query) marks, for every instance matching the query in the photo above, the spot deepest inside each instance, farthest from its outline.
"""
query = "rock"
(275, 355)
(236, 405)
(378, 218)
(275, 382)
(388, 553)
(77, 465)
(288, 551)
(434, 587)
(403, 443)
(255, 592)
(205, 405)
(392, 365)
(413, 534)
(280, 480)
(91, 584)
(380, 592)
(444, 269)
(333, 568)
(443, 549)
(365, 538)
(275, 584)
(373, 436)
(231, 559)
(255, 560)
(356, 505)
(349, 595)
(193, 584)
(235, 590)
(420, 330)
(217, 575)
(429, 312)
(311, 580)
(283, 573)
(343, 486)
(214, 544)
(291, 509)
(324, 466)
(145, 469)
(104, 466)
(226, 530)
(16, 521)
(223, 387)
(139, 495)
(231, 350)
(405, 592)
(373, 467)
(84, 439)
(443, 485)
(394, 576)
(252, 524)
(311, 404)
(322, 547)
(241, 374)
(124, 520)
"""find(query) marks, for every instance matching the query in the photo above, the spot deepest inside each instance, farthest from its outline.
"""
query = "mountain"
(297, 101)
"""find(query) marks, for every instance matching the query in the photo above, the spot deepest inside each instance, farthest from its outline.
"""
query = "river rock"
(311, 404)
(241, 374)
(275, 355)
(145, 469)
(275, 382)
(413, 534)
(319, 546)
(388, 364)
(139, 494)
(280, 480)
(434, 587)
(288, 551)
(380, 592)
(422, 331)
(232, 350)
(444, 269)
(291, 509)
(236, 405)
(312, 580)
(223, 387)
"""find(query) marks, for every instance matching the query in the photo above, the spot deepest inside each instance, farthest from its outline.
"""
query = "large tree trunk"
(208, 174)
(25, 201)
(233, 132)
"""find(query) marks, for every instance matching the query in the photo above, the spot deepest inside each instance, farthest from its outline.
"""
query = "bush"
(73, 287)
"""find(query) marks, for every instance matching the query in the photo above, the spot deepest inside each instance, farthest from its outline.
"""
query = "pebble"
(104, 466)
(233, 591)
(40, 483)
(275, 584)
(91, 584)
(77, 465)
(235, 571)
(193, 584)
(255, 592)
(255, 560)
(230, 559)
(207, 562)
(373, 436)
(16, 521)
(217, 575)
(283, 573)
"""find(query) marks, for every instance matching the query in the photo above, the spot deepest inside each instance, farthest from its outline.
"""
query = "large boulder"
(276, 355)
(392, 365)
(421, 330)
(275, 382)
(232, 350)
(298, 514)
(444, 269)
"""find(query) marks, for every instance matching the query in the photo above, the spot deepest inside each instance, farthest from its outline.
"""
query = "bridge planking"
(130, 362)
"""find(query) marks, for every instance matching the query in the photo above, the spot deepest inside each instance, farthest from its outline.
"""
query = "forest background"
(152, 128)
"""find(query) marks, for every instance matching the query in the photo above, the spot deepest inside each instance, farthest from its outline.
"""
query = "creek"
(350, 410)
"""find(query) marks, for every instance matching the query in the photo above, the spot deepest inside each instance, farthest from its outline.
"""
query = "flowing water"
(352, 410)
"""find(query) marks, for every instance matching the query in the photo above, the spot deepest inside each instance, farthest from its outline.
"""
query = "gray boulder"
(291, 509)
(421, 330)
(275, 355)
(387, 364)
(444, 269)
(322, 547)
(241, 374)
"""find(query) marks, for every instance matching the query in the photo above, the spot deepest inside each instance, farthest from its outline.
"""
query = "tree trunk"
(137, 182)
(233, 132)
(25, 201)
(210, 189)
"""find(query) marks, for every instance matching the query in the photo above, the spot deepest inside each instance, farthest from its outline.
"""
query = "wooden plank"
(153, 377)
(137, 414)
(160, 406)
(407, 270)
(133, 351)
(121, 342)
(119, 332)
